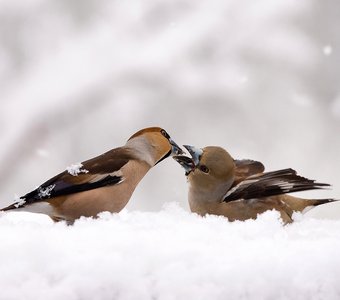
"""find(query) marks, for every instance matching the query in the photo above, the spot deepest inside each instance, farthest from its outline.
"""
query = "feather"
(271, 184)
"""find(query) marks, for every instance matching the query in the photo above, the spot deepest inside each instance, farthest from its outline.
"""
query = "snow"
(46, 191)
(171, 254)
(18, 201)
(76, 169)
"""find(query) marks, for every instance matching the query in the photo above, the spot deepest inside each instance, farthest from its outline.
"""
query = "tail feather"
(310, 204)
(303, 205)
(317, 202)
(9, 207)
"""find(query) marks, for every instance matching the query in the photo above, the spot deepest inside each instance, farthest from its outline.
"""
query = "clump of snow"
(18, 201)
(46, 191)
(171, 254)
(76, 169)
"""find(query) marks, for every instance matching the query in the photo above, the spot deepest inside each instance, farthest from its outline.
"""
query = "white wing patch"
(99, 177)
(238, 186)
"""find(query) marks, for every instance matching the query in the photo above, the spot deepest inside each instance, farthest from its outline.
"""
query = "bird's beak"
(189, 164)
(195, 153)
(175, 149)
(186, 162)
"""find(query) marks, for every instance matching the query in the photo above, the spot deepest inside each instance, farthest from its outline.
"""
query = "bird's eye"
(204, 169)
(165, 134)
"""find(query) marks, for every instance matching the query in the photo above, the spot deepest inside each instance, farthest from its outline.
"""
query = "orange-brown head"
(210, 171)
(153, 144)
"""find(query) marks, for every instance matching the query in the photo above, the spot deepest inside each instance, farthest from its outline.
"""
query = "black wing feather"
(61, 188)
(66, 184)
(271, 184)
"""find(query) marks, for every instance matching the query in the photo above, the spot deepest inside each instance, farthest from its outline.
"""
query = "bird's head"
(208, 167)
(153, 145)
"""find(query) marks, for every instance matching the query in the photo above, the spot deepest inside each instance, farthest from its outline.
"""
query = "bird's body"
(103, 183)
(112, 198)
(239, 189)
(242, 209)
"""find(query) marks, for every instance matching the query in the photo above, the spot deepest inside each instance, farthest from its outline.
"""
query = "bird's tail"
(317, 202)
(302, 205)
(9, 207)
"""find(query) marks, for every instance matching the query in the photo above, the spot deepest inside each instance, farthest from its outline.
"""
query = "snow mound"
(171, 254)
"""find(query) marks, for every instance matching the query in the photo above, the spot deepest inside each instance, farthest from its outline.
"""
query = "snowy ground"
(170, 254)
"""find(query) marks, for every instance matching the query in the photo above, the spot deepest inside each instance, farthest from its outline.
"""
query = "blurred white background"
(78, 77)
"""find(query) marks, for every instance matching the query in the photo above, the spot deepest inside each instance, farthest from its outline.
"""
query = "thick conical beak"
(186, 162)
(189, 164)
(175, 149)
(195, 153)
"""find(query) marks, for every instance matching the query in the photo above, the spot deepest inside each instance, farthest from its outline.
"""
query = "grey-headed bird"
(240, 189)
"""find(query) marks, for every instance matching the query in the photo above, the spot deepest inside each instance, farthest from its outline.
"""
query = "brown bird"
(238, 189)
(103, 183)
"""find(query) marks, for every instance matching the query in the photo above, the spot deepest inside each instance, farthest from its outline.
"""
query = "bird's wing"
(103, 170)
(271, 184)
(245, 168)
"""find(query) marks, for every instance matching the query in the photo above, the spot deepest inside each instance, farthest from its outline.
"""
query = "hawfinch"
(103, 183)
(238, 189)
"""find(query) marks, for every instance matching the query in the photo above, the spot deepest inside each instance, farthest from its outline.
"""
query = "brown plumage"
(239, 190)
(103, 183)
